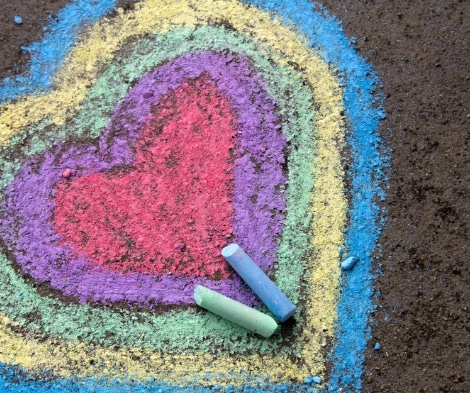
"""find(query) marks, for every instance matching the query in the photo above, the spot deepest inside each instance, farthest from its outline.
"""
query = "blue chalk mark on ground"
(364, 112)
(51, 51)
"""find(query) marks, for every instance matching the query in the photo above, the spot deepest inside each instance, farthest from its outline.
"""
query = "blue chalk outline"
(370, 160)
(48, 55)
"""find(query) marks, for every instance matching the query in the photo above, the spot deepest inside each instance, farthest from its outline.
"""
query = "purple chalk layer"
(27, 228)
(259, 282)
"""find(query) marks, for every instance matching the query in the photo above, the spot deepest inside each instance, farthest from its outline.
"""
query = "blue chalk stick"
(259, 282)
(18, 20)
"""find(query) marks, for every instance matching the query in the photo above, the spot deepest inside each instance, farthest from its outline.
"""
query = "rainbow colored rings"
(127, 113)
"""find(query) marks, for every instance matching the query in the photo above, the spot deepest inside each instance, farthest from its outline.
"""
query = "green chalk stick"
(234, 311)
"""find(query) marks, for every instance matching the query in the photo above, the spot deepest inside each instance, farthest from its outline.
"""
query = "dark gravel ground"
(421, 52)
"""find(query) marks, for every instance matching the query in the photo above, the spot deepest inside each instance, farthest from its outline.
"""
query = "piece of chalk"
(259, 282)
(18, 20)
(315, 379)
(67, 173)
(234, 311)
(349, 263)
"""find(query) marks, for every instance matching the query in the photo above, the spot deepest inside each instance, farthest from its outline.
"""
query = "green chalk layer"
(234, 311)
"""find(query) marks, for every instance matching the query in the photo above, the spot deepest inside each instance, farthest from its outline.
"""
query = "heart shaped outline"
(363, 125)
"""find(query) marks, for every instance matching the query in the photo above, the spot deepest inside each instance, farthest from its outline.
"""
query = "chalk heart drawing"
(170, 213)
(170, 131)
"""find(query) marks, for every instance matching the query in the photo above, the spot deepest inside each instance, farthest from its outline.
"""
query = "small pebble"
(310, 380)
(18, 20)
(316, 380)
(148, 94)
(377, 346)
(349, 263)
(67, 173)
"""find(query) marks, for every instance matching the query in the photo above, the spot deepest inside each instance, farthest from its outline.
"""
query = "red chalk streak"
(177, 193)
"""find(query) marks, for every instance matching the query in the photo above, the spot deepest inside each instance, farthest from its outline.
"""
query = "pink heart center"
(171, 211)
